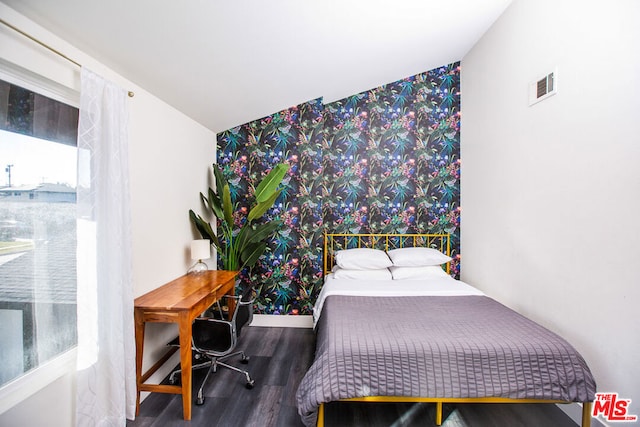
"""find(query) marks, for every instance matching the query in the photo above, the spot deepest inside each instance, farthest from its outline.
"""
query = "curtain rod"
(46, 46)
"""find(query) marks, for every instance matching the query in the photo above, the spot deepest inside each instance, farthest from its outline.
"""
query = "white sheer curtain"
(106, 347)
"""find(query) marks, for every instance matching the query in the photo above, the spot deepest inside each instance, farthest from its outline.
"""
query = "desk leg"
(185, 329)
(139, 325)
(231, 303)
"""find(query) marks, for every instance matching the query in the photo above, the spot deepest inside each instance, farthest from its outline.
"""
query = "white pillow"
(379, 274)
(417, 257)
(404, 273)
(362, 259)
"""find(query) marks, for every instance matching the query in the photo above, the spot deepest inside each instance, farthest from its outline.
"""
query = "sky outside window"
(36, 161)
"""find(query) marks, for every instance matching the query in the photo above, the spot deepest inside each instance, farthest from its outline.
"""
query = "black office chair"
(214, 338)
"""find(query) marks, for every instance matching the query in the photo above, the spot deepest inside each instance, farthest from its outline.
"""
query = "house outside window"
(37, 229)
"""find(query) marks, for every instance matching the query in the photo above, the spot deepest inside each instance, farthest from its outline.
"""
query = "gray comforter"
(437, 346)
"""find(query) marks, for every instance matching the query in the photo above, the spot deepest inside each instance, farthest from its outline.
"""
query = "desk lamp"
(200, 249)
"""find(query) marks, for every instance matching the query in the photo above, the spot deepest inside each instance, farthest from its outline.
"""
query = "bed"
(411, 333)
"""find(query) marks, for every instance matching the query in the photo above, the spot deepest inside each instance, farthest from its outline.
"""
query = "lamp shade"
(200, 249)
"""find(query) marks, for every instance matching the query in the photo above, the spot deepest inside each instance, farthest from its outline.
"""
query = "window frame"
(31, 382)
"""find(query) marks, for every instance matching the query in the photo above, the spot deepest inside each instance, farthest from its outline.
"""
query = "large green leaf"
(252, 253)
(264, 231)
(212, 204)
(215, 204)
(258, 210)
(204, 228)
(244, 237)
(270, 183)
(220, 180)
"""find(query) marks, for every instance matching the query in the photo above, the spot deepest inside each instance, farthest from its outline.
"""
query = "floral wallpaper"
(382, 161)
(290, 274)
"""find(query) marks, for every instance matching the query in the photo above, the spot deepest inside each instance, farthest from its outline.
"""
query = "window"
(37, 229)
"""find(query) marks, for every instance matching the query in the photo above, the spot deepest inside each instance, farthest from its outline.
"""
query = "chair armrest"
(213, 320)
(238, 299)
(251, 301)
(227, 297)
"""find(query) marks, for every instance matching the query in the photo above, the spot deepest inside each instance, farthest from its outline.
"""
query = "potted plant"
(240, 243)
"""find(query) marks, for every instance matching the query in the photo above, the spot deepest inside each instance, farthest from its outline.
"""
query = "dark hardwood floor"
(279, 359)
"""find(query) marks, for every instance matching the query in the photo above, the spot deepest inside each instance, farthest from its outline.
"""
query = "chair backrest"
(213, 335)
(244, 310)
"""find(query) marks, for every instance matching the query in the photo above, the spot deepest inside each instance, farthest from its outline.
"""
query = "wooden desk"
(179, 301)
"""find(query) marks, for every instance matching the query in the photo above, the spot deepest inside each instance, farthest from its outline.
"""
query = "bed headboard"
(338, 241)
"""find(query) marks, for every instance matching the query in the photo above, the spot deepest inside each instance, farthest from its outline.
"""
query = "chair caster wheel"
(245, 360)
(200, 401)
(173, 380)
(250, 384)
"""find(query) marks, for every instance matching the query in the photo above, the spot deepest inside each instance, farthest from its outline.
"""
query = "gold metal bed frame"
(337, 241)
(340, 241)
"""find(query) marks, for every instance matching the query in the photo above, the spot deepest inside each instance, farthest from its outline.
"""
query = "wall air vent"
(543, 88)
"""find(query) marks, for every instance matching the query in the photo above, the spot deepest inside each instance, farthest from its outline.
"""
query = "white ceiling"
(225, 63)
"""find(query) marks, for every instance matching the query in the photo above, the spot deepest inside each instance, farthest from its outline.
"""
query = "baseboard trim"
(282, 321)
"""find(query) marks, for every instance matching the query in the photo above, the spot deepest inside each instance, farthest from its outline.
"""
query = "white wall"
(551, 193)
(170, 157)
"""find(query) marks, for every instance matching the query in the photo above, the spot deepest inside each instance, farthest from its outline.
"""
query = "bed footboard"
(586, 406)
